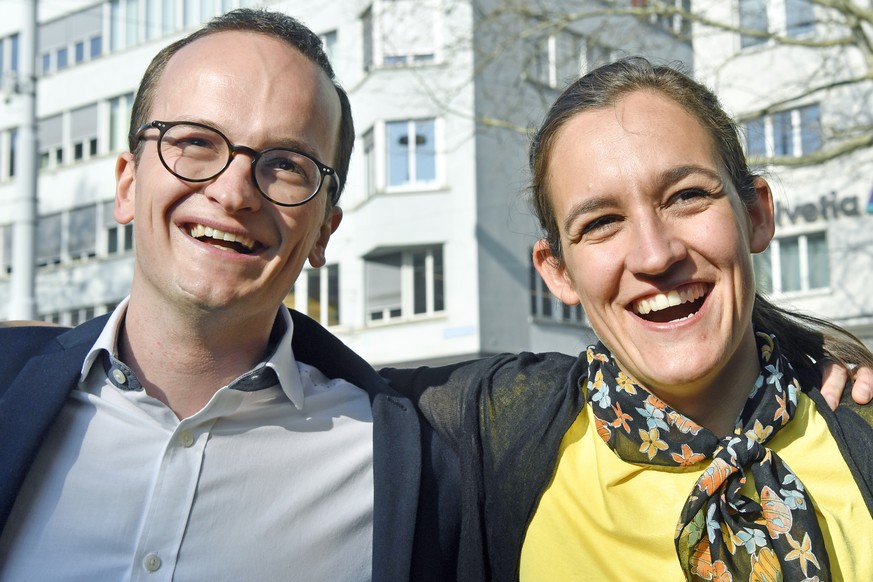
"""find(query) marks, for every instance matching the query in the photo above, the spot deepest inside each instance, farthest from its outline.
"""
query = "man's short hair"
(271, 23)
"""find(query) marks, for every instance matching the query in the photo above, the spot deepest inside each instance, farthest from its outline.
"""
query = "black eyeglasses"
(198, 153)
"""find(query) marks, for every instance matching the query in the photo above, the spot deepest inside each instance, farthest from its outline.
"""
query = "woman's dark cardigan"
(506, 416)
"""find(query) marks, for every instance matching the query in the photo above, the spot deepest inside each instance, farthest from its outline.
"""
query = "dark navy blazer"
(416, 475)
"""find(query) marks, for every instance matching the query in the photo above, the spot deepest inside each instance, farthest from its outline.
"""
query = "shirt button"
(186, 438)
(151, 562)
(119, 376)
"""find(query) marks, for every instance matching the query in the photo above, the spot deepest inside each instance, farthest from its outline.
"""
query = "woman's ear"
(552, 270)
(762, 217)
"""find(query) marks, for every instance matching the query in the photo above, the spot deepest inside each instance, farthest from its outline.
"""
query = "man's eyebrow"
(663, 181)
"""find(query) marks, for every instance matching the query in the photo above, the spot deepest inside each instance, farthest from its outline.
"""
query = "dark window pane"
(333, 308)
(439, 303)
(313, 297)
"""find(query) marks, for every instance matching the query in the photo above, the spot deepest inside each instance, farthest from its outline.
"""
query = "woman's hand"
(835, 379)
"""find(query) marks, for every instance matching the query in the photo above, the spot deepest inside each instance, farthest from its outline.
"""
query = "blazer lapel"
(27, 409)
(396, 446)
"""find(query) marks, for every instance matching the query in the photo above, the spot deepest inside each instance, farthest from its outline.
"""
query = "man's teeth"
(669, 299)
(200, 231)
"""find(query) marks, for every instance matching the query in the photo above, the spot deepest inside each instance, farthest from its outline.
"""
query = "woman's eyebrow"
(677, 173)
(587, 206)
(663, 181)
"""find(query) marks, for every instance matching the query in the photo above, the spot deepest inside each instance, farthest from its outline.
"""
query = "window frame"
(375, 52)
(773, 258)
(786, 133)
(413, 182)
(410, 302)
(328, 300)
(545, 307)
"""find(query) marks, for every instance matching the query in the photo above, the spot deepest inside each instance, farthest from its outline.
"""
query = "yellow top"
(602, 518)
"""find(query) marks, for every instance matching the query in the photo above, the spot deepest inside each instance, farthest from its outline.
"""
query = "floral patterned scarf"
(722, 534)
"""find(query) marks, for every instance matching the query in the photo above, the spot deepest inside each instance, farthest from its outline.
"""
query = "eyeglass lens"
(198, 153)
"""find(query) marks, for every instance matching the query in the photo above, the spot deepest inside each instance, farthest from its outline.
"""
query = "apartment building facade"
(432, 261)
(803, 93)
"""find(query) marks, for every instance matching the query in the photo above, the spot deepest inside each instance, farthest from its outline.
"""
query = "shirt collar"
(281, 359)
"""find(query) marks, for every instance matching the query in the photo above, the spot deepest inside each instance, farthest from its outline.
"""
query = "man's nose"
(235, 187)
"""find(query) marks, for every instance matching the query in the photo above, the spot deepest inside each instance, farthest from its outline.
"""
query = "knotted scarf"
(722, 534)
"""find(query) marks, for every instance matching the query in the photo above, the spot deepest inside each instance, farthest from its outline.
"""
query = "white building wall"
(475, 209)
(835, 197)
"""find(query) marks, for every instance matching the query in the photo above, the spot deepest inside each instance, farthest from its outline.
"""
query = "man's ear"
(328, 227)
(762, 217)
(125, 188)
(553, 273)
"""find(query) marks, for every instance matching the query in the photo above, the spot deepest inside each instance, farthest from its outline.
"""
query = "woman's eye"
(598, 225)
(691, 194)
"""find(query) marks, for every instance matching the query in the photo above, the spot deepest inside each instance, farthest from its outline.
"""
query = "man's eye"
(191, 141)
(286, 165)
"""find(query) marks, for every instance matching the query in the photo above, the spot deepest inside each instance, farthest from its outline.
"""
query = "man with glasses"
(202, 431)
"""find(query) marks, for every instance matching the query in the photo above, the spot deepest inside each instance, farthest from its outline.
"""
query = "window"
(809, 118)
(68, 236)
(13, 143)
(119, 115)
(69, 37)
(799, 17)
(322, 294)
(77, 315)
(794, 264)
(116, 22)
(556, 59)
(83, 131)
(756, 138)
(51, 143)
(670, 22)
(753, 17)
(400, 32)
(96, 44)
(168, 16)
(328, 40)
(792, 133)
(7, 153)
(189, 13)
(61, 60)
(48, 240)
(124, 23)
(82, 232)
(370, 160)
(593, 54)
(544, 305)
(207, 10)
(13, 53)
(118, 237)
(6, 249)
(411, 153)
(369, 47)
(783, 134)
(405, 284)
(153, 24)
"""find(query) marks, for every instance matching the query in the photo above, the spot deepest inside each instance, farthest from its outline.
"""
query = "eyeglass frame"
(323, 169)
